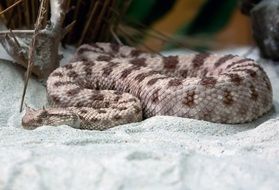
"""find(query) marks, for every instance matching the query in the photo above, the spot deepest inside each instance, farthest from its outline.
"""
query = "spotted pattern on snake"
(106, 85)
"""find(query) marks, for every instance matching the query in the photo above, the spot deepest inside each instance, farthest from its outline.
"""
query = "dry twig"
(46, 41)
(10, 7)
(31, 53)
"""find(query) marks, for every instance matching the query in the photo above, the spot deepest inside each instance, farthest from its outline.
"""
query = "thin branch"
(99, 18)
(10, 7)
(68, 28)
(117, 39)
(17, 32)
(14, 37)
(131, 40)
(13, 49)
(31, 53)
(96, 5)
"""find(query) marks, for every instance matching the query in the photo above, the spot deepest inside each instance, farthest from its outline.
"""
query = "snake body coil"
(107, 85)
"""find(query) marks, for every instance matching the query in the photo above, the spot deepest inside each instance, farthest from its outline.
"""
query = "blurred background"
(210, 24)
(149, 24)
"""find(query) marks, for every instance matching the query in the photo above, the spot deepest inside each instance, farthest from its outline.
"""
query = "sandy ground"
(158, 153)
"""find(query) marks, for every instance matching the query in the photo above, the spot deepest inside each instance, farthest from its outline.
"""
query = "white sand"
(158, 153)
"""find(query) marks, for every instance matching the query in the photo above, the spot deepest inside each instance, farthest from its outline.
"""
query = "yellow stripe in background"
(182, 12)
(236, 33)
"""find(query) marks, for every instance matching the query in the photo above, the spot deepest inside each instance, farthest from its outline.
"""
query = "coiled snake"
(106, 85)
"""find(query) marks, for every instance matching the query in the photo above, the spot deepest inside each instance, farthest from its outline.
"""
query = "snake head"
(52, 116)
(34, 118)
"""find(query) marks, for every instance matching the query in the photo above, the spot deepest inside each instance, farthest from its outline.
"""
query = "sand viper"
(106, 85)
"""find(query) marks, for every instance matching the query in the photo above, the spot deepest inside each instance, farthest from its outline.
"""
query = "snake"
(105, 85)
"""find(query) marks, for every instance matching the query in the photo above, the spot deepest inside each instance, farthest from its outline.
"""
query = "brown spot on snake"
(227, 98)
(189, 99)
(199, 59)
(208, 82)
(170, 62)
(174, 82)
(138, 61)
(223, 59)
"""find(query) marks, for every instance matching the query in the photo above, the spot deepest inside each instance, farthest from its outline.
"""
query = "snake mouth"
(28, 126)
(51, 117)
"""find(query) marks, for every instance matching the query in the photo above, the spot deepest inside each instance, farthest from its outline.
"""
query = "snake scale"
(106, 85)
